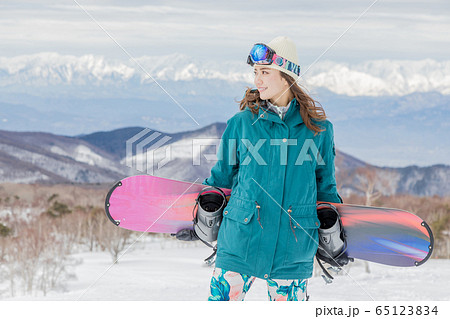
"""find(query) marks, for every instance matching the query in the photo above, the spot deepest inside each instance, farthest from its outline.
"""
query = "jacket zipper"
(259, 217)
(290, 222)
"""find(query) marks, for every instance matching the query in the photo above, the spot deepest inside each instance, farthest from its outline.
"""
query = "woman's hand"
(185, 235)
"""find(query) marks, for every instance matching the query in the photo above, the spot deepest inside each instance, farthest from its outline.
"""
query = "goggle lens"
(260, 53)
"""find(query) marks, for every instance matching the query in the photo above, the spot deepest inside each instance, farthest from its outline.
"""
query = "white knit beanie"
(284, 47)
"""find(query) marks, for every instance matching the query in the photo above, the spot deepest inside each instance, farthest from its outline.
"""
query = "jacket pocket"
(236, 229)
(303, 238)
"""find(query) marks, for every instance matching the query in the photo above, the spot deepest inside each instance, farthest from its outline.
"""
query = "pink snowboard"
(153, 204)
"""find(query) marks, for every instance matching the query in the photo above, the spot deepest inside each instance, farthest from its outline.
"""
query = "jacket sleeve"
(224, 172)
(325, 174)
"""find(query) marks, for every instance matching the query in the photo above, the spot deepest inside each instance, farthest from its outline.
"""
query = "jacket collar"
(291, 118)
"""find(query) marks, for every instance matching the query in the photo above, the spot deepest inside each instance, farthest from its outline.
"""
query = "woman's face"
(271, 85)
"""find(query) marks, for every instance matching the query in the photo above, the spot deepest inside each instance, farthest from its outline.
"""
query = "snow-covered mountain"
(381, 77)
(385, 112)
(70, 73)
(48, 158)
(105, 157)
(370, 78)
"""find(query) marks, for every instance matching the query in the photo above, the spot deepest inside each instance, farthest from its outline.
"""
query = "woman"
(277, 155)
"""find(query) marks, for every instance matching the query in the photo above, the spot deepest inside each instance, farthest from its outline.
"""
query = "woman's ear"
(285, 82)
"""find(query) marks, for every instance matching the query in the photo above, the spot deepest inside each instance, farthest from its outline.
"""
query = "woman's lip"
(261, 89)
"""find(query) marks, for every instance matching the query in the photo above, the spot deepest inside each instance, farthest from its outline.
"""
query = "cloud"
(226, 30)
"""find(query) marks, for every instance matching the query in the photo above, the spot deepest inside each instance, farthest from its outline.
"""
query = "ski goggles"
(261, 54)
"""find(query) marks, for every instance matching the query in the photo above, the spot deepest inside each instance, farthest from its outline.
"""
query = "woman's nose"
(258, 80)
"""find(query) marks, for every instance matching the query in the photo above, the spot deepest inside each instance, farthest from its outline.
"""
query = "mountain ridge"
(370, 78)
(101, 157)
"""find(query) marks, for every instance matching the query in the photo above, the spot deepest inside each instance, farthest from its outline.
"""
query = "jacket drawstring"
(290, 219)
(259, 217)
(290, 222)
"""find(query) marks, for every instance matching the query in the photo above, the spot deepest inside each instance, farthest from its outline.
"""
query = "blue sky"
(225, 30)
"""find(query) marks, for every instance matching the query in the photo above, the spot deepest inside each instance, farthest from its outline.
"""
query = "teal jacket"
(277, 170)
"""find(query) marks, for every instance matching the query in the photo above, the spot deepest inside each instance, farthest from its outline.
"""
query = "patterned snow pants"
(232, 286)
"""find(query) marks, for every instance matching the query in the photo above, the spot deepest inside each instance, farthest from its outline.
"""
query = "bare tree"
(93, 218)
(112, 238)
(36, 256)
(371, 183)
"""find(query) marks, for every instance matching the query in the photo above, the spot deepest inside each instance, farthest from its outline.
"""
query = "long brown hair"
(311, 111)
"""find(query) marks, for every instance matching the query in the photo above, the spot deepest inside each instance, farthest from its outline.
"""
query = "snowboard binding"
(332, 251)
(209, 204)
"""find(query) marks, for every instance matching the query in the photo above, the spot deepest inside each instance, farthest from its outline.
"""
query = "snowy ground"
(171, 270)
